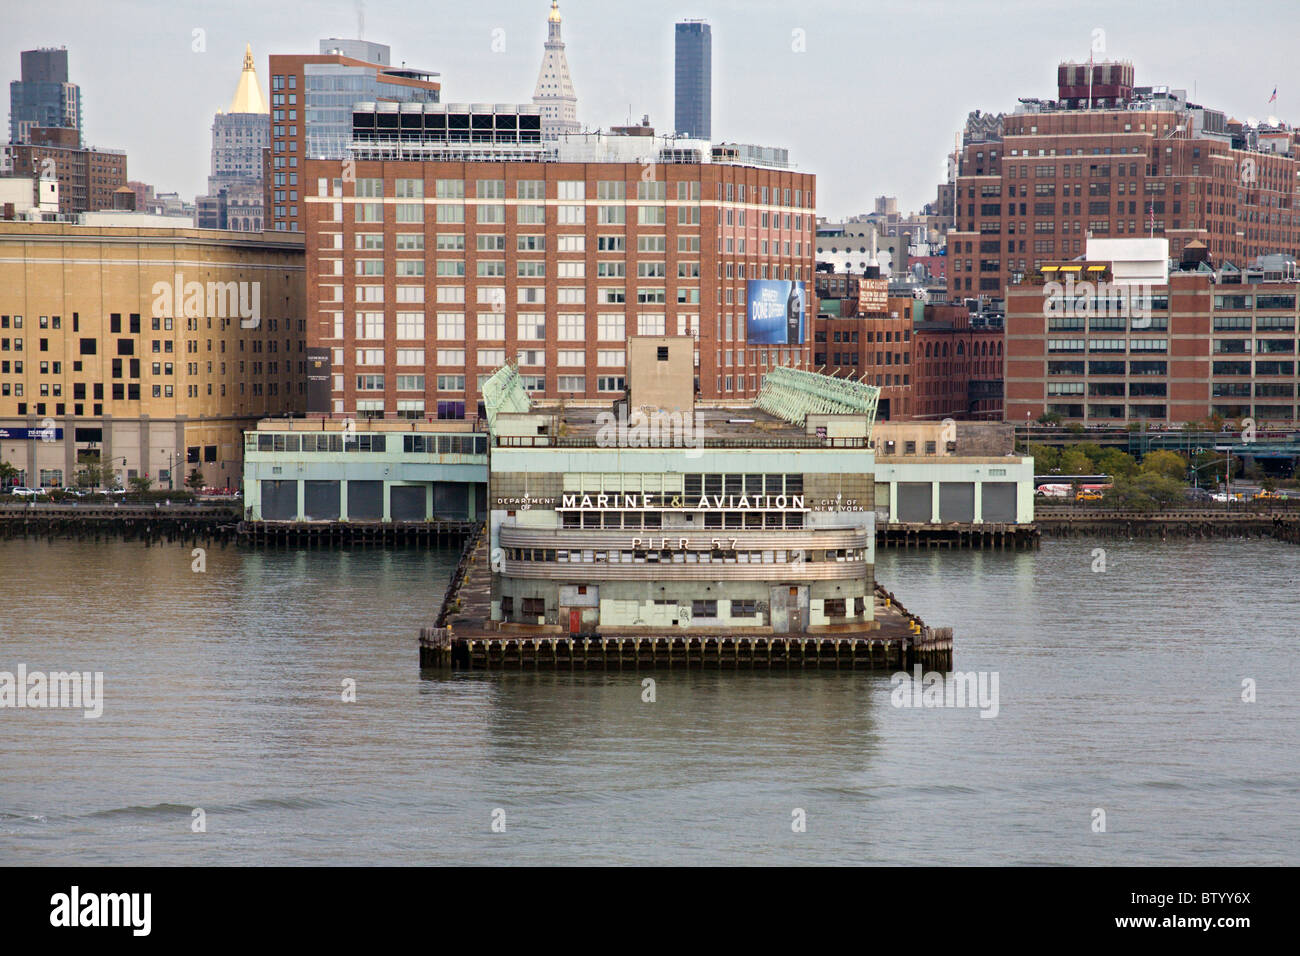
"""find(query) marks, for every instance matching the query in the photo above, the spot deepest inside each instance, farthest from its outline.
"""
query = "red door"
(575, 620)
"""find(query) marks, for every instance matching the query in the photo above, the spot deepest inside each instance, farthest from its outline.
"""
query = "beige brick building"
(148, 348)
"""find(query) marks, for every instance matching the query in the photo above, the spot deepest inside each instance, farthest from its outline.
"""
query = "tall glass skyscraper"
(694, 67)
(43, 97)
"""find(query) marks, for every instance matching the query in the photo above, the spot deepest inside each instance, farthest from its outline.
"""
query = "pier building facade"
(626, 518)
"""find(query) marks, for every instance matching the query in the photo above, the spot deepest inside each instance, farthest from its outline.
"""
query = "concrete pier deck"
(465, 637)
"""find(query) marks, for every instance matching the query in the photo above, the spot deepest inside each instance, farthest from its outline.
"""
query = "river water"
(1120, 691)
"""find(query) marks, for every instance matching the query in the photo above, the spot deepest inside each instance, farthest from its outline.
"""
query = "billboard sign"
(873, 296)
(318, 381)
(32, 434)
(776, 312)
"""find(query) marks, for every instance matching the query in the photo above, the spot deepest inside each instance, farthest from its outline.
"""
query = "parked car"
(18, 491)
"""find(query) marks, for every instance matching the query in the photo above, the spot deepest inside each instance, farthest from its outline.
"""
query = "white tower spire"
(554, 93)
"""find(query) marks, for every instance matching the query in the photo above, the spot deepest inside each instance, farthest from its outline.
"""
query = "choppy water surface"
(1118, 690)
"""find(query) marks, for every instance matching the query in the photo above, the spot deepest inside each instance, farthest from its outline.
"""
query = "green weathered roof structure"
(794, 394)
(504, 392)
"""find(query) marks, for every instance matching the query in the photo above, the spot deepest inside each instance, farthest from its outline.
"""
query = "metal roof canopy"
(504, 392)
(794, 394)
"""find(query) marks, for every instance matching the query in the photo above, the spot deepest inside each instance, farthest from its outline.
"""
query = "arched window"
(961, 350)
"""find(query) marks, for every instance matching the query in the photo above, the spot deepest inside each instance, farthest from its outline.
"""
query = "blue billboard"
(776, 312)
(31, 434)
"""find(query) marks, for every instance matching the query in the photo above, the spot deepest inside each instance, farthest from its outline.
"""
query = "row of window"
(488, 358)
(653, 520)
(1108, 345)
(715, 555)
(647, 190)
(536, 215)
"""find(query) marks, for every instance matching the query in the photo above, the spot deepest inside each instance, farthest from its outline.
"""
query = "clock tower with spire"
(554, 93)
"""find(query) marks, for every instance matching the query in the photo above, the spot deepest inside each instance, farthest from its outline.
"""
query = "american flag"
(1274, 96)
(1151, 208)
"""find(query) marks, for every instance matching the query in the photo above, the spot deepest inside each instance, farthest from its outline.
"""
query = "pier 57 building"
(654, 514)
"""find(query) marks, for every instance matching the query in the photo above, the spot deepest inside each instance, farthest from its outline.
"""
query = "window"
(572, 383)
(610, 328)
(451, 326)
(491, 325)
(650, 324)
(532, 327)
(370, 325)
(408, 212)
(571, 358)
(704, 609)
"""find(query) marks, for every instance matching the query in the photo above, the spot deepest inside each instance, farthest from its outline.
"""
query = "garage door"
(957, 501)
(914, 501)
(365, 500)
(451, 500)
(999, 501)
(406, 502)
(280, 500)
(321, 500)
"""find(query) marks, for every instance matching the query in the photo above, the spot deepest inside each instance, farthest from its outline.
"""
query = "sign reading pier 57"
(677, 502)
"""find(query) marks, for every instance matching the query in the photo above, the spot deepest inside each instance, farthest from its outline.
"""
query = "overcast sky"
(870, 104)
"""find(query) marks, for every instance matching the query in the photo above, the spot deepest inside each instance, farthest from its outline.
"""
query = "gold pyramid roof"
(248, 95)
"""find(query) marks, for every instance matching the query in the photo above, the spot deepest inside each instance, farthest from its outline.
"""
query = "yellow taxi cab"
(1088, 496)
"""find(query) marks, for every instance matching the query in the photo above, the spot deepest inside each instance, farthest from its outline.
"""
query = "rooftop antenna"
(361, 19)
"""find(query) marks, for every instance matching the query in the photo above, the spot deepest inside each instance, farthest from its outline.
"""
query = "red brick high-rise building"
(88, 178)
(1207, 342)
(426, 274)
(311, 113)
(1112, 160)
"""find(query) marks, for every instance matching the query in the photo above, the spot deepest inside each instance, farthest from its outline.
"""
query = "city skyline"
(897, 143)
